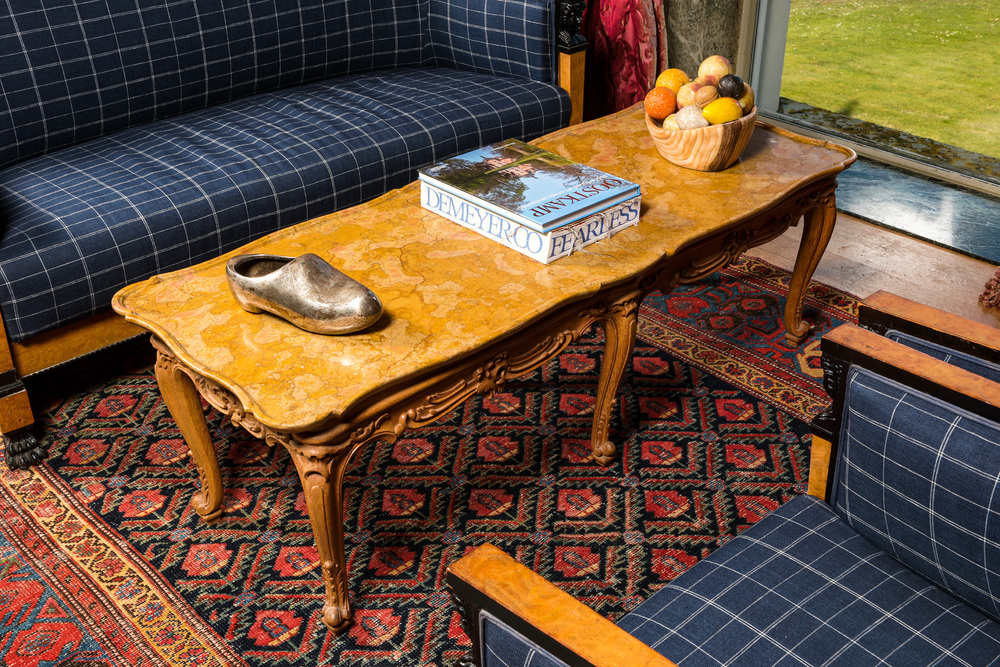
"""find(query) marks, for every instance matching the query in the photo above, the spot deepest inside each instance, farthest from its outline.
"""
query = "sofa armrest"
(489, 580)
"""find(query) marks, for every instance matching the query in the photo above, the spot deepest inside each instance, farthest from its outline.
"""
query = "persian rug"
(104, 563)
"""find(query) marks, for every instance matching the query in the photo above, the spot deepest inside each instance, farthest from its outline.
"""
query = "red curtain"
(627, 48)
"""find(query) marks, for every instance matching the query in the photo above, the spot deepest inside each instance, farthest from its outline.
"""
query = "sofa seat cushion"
(801, 587)
(81, 223)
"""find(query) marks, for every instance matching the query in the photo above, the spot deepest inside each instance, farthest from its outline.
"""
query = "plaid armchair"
(899, 568)
(142, 138)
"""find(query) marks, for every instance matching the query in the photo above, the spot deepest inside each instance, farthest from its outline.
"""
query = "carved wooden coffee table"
(462, 313)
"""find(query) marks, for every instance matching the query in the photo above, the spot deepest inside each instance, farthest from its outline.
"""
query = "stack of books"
(533, 201)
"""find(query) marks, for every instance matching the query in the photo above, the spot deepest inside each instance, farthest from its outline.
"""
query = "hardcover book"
(544, 247)
(527, 185)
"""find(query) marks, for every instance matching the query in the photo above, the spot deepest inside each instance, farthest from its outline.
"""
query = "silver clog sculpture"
(304, 290)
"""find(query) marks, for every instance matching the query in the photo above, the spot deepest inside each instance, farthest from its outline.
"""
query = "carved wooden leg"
(16, 418)
(184, 404)
(16, 421)
(321, 471)
(22, 449)
(620, 325)
(818, 223)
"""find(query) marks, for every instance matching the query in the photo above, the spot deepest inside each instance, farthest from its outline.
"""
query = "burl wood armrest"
(488, 579)
(849, 345)
(884, 311)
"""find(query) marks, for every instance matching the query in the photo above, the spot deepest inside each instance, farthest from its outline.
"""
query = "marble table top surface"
(446, 290)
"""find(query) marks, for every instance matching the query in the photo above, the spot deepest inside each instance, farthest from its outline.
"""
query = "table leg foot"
(184, 404)
(604, 453)
(337, 619)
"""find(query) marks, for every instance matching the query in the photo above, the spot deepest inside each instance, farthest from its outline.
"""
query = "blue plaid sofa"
(140, 138)
(900, 567)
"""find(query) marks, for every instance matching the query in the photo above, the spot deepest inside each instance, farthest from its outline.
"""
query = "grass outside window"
(930, 68)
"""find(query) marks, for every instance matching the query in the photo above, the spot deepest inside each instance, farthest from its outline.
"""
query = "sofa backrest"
(72, 70)
(920, 478)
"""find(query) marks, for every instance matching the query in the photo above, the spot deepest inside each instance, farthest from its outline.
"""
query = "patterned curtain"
(627, 48)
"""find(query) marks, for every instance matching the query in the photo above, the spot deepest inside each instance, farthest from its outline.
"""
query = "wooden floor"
(863, 258)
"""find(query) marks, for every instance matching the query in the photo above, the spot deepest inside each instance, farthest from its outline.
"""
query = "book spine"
(545, 248)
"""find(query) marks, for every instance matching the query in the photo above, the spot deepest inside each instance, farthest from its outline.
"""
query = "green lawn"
(926, 67)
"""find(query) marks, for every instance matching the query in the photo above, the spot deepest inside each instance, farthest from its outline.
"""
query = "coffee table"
(462, 313)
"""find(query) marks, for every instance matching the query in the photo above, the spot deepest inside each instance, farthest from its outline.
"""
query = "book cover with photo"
(529, 185)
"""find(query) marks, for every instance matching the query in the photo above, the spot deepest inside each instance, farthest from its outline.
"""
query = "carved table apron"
(208, 347)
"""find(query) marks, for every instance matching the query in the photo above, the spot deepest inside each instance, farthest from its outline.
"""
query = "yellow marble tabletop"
(447, 290)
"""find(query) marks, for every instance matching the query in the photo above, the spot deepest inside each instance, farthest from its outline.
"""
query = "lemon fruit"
(673, 79)
(722, 110)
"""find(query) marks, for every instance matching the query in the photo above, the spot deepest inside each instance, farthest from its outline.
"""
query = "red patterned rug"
(103, 562)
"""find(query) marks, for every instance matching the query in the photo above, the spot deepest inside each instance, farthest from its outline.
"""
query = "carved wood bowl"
(711, 148)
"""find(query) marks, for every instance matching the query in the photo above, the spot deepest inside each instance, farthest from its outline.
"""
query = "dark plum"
(730, 86)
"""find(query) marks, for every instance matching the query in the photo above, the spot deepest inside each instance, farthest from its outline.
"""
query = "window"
(820, 67)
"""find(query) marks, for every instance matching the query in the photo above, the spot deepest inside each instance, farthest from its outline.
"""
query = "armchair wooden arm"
(489, 580)
(884, 311)
(847, 345)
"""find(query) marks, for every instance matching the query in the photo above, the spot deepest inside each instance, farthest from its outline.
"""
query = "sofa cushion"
(919, 478)
(801, 587)
(81, 223)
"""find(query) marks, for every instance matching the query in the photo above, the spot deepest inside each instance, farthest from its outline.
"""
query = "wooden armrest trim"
(925, 372)
(895, 312)
(521, 598)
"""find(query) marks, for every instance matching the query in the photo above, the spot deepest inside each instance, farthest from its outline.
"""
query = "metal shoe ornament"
(304, 290)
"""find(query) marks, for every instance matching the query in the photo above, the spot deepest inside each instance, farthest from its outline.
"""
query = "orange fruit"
(673, 79)
(660, 103)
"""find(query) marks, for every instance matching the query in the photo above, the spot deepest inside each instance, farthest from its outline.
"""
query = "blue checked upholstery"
(900, 569)
(973, 364)
(143, 140)
(801, 587)
(505, 647)
(919, 478)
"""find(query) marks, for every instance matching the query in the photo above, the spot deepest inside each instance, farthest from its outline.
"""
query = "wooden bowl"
(711, 148)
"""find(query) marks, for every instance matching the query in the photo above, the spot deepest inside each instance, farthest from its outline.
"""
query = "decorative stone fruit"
(690, 117)
(730, 86)
(705, 94)
(673, 79)
(747, 99)
(660, 102)
(685, 95)
(714, 68)
(722, 110)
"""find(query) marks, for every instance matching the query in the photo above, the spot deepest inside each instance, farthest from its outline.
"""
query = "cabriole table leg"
(184, 404)
(321, 471)
(818, 223)
(620, 325)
